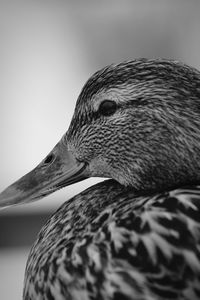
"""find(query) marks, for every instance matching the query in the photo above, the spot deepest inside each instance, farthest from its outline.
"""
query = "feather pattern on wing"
(122, 246)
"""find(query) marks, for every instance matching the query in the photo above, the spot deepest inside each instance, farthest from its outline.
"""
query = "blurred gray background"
(48, 49)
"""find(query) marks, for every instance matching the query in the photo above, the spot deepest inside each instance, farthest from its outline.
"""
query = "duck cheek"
(99, 167)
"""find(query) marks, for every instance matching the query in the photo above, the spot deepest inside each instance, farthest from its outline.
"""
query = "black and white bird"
(137, 235)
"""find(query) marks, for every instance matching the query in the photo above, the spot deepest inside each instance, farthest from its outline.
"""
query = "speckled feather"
(153, 140)
(107, 243)
(139, 240)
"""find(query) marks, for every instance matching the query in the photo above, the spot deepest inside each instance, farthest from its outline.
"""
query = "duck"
(135, 235)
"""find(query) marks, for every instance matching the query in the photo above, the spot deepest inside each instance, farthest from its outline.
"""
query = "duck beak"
(57, 170)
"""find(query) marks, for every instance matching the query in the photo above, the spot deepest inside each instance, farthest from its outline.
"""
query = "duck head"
(137, 122)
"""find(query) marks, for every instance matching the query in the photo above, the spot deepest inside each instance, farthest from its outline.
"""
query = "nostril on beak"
(49, 159)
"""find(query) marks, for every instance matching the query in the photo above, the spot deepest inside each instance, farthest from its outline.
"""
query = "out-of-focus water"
(12, 265)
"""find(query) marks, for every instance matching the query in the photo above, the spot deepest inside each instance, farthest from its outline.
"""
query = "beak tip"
(44, 179)
(9, 197)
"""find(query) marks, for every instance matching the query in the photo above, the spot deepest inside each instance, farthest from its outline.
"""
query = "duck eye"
(107, 107)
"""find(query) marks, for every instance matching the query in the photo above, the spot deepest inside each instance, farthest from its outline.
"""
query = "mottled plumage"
(107, 243)
(153, 139)
(137, 236)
